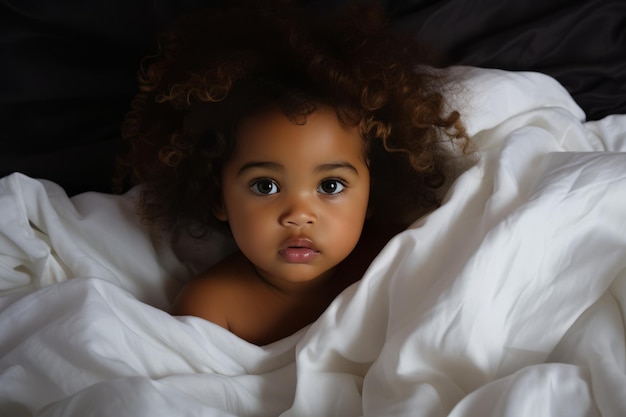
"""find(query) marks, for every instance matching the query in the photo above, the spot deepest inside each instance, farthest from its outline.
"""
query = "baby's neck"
(296, 290)
(286, 307)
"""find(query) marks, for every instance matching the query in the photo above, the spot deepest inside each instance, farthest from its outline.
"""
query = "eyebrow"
(259, 164)
(278, 167)
(336, 165)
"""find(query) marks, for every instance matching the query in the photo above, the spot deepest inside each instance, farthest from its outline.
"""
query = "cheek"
(248, 225)
(252, 226)
(345, 224)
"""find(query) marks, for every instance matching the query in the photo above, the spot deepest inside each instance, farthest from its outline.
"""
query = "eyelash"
(336, 180)
(254, 184)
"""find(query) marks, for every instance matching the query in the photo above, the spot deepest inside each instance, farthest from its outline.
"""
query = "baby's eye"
(331, 186)
(264, 186)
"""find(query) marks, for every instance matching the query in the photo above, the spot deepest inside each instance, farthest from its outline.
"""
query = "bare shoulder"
(214, 293)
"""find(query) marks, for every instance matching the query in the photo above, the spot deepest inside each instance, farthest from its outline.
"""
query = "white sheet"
(509, 300)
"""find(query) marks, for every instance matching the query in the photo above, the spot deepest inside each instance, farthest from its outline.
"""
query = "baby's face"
(295, 196)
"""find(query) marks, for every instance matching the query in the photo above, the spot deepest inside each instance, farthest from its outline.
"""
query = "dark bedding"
(68, 67)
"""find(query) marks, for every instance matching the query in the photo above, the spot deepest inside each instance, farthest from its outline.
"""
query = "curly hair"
(214, 69)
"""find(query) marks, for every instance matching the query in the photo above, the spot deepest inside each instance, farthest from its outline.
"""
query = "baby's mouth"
(299, 251)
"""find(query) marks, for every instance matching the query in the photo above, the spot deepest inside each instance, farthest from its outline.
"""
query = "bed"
(508, 300)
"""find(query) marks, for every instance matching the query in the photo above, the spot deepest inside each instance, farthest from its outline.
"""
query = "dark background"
(68, 68)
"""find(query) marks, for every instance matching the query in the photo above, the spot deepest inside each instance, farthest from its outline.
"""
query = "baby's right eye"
(264, 186)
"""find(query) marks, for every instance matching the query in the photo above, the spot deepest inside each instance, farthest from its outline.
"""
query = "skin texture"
(295, 197)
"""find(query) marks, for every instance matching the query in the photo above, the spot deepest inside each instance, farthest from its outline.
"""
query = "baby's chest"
(264, 320)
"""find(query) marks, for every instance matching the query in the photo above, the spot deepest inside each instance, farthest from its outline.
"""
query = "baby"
(312, 140)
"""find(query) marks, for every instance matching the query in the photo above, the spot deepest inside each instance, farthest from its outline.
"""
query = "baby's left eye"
(331, 186)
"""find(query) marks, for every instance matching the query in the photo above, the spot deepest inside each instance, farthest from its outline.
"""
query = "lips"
(298, 251)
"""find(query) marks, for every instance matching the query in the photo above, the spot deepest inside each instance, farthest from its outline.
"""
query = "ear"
(219, 211)
(218, 208)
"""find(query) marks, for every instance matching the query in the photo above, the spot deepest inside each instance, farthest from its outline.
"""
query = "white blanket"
(508, 300)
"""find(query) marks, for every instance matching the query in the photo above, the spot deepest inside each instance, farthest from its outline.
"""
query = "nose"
(298, 211)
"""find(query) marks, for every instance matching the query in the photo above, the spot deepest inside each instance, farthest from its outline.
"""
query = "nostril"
(298, 223)
(298, 216)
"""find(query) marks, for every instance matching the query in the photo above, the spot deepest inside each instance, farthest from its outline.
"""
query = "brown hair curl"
(216, 68)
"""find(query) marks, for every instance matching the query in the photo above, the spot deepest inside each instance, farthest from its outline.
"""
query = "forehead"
(270, 135)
